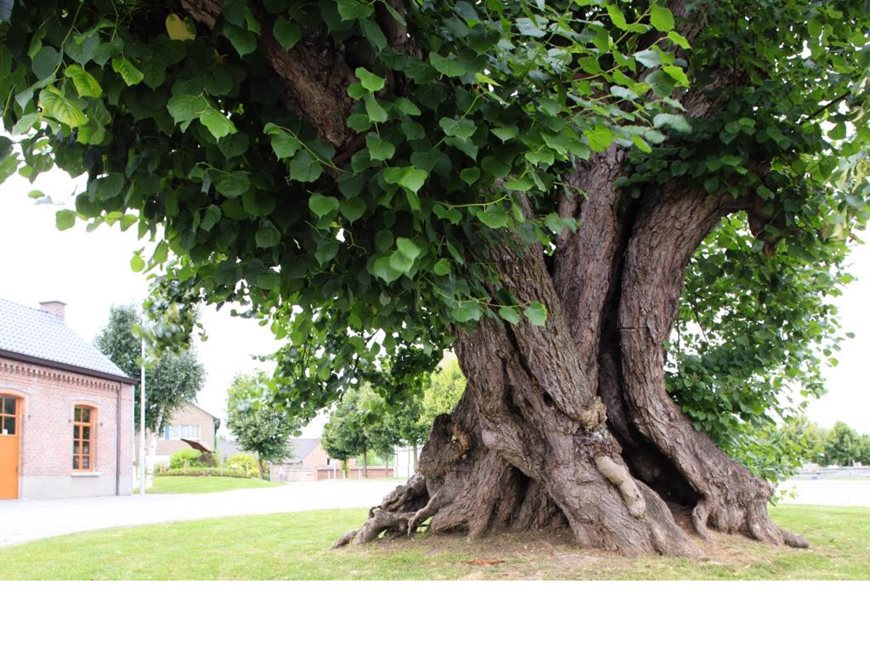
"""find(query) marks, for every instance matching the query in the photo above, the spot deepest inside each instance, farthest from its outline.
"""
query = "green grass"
(296, 547)
(177, 484)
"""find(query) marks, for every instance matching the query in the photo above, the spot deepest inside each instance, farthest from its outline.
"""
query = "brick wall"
(49, 396)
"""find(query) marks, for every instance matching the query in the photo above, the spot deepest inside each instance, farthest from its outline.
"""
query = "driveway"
(26, 520)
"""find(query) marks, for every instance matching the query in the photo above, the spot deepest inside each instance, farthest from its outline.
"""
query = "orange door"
(10, 436)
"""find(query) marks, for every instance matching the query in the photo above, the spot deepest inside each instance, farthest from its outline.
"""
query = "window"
(8, 415)
(84, 437)
(181, 432)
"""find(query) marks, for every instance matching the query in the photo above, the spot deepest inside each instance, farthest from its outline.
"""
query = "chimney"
(56, 308)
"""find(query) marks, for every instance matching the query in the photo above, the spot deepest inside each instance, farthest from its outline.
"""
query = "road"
(26, 520)
(839, 493)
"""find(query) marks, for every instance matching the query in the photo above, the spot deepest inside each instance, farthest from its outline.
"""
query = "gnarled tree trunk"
(569, 425)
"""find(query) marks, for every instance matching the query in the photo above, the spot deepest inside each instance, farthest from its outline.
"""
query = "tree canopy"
(538, 184)
(258, 424)
(172, 378)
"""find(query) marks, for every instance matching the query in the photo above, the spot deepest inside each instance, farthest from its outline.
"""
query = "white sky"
(90, 272)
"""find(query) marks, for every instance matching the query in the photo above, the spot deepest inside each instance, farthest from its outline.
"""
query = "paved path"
(839, 493)
(26, 520)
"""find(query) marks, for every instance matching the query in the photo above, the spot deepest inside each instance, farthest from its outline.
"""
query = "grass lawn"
(296, 547)
(176, 484)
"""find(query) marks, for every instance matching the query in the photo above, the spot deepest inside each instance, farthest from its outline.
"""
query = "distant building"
(190, 427)
(311, 462)
(66, 410)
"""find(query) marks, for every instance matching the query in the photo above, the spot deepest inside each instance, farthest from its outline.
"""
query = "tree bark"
(569, 425)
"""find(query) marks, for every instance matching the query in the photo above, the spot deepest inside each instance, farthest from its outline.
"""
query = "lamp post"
(142, 465)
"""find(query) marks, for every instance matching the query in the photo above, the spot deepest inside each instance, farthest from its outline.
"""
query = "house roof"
(301, 449)
(36, 336)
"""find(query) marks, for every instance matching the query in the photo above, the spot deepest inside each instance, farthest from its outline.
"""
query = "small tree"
(260, 425)
(348, 432)
(173, 378)
(844, 446)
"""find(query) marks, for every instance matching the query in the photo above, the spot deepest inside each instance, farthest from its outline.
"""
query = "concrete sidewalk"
(26, 520)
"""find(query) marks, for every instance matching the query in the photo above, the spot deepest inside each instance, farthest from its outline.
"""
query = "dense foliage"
(258, 424)
(379, 224)
(172, 379)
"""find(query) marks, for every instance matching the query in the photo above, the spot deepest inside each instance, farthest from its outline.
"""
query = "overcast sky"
(90, 272)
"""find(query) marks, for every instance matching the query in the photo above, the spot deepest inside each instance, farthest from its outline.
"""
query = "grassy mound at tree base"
(296, 547)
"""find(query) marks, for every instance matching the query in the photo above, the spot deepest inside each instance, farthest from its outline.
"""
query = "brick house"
(310, 461)
(190, 427)
(66, 411)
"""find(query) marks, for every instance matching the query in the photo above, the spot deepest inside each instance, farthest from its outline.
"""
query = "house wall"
(188, 415)
(46, 444)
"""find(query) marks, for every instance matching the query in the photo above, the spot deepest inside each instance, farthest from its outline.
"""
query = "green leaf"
(467, 311)
(661, 18)
(400, 262)
(86, 85)
(370, 81)
(453, 67)
(374, 34)
(287, 33)
(536, 313)
(305, 167)
(374, 110)
(379, 150)
(109, 186)
(185, 108)
(232, 185)
(217, 123)
(470, 175)
(354, 9)
(680, 40)
(353, 209)
(326, 250)
(600, 138)
(137, 263)
(408, 177)
(359, 122)
(528, 27)
(129, 73)
(616, 16)
(677, 74)
(178, 29)
(509, 314)
(505, 134)
(322, 205)
(674, 121)
(284, 144)
(61, 108)
(649, 58)
(442, 267)
(267, 235)
(242, 40)
(462, 129)
(495, 217)
(46, 62)
(408, 248)
(65, 219)
(406, 106)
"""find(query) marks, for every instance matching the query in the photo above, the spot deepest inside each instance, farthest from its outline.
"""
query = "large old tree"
(601, 206)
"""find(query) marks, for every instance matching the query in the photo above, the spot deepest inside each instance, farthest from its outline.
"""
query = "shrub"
(184, 459)
(243, 462)
(207, 471)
